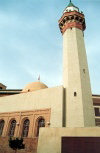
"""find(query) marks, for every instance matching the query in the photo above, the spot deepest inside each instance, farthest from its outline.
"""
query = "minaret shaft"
(79, 111)
(79, 105)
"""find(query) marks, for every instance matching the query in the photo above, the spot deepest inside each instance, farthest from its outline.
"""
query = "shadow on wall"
(30, 145)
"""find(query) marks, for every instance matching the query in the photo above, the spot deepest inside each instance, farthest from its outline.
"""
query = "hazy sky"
(31, 42)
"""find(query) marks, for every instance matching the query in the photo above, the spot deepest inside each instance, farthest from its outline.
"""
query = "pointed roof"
(71, 7)
(71, 4)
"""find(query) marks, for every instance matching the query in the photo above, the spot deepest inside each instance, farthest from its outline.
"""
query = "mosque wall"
(19, 118)
(50, 139)
(51, 98)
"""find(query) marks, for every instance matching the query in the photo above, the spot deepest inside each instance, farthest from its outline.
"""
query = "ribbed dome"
(34, 86)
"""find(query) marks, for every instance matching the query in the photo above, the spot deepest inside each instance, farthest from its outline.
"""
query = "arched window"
(2, 122)
(25, 128)
(12, 128)
(40, 123)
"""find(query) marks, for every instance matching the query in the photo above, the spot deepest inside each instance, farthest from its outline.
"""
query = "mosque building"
(62, 111)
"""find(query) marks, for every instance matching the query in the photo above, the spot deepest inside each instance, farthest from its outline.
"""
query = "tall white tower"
(76, 81)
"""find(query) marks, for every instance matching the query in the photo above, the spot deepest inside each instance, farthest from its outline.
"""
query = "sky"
(31, 42)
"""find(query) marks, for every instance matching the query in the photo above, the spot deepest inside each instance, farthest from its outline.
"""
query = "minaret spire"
(70, 1)
(39, 78)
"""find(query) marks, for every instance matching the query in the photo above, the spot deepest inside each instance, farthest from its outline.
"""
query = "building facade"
(24, 111)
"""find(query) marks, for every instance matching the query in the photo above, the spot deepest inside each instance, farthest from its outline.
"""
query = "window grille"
(25, 128)
(12, 128)
(2, 122)
(41, 123)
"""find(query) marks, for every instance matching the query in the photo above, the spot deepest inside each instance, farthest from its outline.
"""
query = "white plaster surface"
(79, 109)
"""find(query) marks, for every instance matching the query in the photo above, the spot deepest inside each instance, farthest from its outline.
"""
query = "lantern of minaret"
(79, 110)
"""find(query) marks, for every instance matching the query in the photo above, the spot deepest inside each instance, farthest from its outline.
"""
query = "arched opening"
(40, 123)
(2, 122)
(25, 129)
(12, 128)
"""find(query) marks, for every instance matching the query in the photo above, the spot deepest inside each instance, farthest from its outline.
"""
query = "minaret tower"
(79, 106)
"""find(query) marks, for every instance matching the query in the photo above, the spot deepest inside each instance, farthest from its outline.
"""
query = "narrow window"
(97, 121)
(2, 122)
(75, 94)
(97, 112)
(12, 128)
(84, 70)
(25, 128)
(40, 123)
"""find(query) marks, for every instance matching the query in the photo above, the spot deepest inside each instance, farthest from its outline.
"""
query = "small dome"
(34, 86)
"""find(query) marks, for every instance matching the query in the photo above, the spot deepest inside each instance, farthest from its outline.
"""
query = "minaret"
(79, 106)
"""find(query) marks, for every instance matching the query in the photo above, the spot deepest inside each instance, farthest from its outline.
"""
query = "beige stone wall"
(50, 138)
(51, 98)
(79, 108)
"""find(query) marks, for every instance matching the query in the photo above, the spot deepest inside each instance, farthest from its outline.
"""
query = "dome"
(34, 86)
